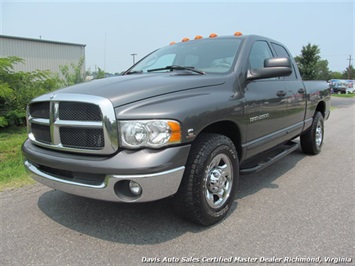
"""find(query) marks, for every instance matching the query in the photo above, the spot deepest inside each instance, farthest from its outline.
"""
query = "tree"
(310, 64)
(100, 74)
(349, 73)
(74, 75)
(335, 75)
(18, 88)
(322, 70)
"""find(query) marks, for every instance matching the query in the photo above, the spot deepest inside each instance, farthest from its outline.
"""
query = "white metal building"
(41, 54)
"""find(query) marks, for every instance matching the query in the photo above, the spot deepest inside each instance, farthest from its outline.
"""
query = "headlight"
(149, 133)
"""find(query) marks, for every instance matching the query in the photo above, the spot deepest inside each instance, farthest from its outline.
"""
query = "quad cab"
(183, 122)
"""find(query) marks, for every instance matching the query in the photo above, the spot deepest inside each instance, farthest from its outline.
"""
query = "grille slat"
(79, 111)
(83, 138)
(41, 133)
(40, 110)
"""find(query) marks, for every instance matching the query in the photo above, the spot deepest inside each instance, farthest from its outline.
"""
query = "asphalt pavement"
(298, 211)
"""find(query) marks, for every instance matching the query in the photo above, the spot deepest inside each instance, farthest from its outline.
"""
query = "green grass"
(12, 171)
(349, 95)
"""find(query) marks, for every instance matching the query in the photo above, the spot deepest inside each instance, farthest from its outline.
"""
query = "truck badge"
(259, 117)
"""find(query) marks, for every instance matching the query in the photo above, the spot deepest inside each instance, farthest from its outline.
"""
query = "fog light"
(135, 188)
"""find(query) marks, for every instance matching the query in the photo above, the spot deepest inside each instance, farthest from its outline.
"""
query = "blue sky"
(113, 30)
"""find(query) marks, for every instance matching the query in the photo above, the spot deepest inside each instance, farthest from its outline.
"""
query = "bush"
(18, 88)
(74, 74)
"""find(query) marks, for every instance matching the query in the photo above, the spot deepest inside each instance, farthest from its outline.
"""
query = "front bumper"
(158, 172)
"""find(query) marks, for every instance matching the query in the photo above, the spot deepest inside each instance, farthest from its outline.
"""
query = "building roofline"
(39, 40)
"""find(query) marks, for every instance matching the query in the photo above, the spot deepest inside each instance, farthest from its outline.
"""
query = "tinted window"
(162, 61)
(259, 52)
(209, 55)
(282, 52)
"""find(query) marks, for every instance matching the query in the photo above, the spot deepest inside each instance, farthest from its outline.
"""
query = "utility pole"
(105, 54)
(134, 59)
(349, 68)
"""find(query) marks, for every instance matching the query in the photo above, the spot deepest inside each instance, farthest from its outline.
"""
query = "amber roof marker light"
(212, 35)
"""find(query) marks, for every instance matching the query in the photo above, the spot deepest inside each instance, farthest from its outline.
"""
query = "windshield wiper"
(174, 67)
(133, 72)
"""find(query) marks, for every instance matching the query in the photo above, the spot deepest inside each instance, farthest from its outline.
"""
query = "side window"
(259, 52)
(282, 52)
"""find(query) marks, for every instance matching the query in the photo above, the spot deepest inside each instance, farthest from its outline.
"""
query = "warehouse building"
(41, 54)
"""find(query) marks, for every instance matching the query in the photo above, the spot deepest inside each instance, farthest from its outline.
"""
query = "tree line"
(312, 67)
(18, 88)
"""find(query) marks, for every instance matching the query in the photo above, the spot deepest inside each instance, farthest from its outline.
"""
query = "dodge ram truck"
(183, 122)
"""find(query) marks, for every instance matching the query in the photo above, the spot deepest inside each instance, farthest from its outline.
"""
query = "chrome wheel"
(218, 181)
(209, 185)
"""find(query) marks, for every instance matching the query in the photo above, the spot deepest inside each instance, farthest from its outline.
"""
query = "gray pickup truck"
(184, 122)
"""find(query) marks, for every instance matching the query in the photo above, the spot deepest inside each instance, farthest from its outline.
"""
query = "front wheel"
(210, 180)
(312, 140)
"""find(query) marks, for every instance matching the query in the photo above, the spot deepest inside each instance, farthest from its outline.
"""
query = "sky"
(113, 30)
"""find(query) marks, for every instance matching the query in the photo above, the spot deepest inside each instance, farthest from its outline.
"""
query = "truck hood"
(126, 89)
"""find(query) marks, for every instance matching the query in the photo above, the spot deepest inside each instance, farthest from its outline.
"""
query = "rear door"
(295, 95)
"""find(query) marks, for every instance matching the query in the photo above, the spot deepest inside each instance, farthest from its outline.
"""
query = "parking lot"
(299, 210)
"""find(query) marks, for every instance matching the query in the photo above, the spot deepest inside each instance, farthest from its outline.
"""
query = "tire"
(209, 185)
(312, 140)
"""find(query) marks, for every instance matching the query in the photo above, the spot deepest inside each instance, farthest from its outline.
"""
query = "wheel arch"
(228, 129)
(321, 108)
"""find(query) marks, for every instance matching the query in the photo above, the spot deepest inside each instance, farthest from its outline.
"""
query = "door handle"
(281, 93)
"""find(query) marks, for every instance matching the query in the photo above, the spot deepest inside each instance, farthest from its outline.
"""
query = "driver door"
(265, 104)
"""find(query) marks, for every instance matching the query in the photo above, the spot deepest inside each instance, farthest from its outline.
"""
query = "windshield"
(207, 55)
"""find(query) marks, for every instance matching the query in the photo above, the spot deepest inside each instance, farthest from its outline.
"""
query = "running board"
(264, 160)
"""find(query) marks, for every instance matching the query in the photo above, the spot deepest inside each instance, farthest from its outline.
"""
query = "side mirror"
(273, 67)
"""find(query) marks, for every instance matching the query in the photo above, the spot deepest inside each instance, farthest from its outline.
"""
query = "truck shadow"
(148, 223)
(252, 183)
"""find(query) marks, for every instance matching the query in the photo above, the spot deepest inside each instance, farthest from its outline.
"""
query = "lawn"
(12, 171)
(349, 95)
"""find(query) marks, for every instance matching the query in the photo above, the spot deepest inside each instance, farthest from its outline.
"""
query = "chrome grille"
(76, 123)
(79, 111)
(41, 133)
(40, 110)
(83, 138)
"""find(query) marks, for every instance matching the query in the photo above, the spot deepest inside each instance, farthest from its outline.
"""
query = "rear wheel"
(209, 184)
(312, 140)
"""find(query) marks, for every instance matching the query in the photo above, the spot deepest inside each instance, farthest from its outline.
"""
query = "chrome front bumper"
(158, 173)
(154, 186)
